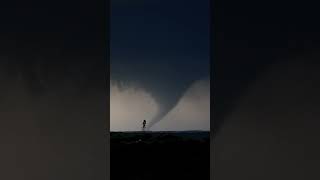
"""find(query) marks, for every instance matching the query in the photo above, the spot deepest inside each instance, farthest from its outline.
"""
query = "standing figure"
(144, 125)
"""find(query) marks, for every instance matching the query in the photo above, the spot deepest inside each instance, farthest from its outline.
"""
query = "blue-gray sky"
(266, 88)
(161, 47)
(53, 95)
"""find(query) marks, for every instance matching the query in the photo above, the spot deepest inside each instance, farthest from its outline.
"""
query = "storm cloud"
(161, 47)
(273, 129)
(129, 106)
(53, 95)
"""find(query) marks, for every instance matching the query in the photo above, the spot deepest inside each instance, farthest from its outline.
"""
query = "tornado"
(159, 49)
(166, 81)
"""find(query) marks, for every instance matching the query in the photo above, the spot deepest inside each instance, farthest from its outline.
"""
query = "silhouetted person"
(144, 125)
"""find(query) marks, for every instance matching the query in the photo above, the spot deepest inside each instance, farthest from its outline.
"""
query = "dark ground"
(160, 155)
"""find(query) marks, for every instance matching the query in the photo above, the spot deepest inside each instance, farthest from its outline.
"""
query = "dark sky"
(165, 28)
(266, 84)
(161, 46)
(53, 60)
(249, 37)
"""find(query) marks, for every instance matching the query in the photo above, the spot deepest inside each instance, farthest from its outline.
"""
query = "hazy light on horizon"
(130, 106)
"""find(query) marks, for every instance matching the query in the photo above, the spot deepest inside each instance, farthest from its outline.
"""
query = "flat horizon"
(160, 131)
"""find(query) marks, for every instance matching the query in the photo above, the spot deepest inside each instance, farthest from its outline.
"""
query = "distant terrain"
(160, 155)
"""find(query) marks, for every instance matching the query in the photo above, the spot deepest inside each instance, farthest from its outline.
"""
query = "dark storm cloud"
(161, 46)
(249, 38)
(272, 131)
(266, 69)
(53, 90)
(49, 42)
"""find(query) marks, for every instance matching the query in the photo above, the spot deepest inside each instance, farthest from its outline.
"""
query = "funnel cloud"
(129, 106)
(53, 90)
(160, 47)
